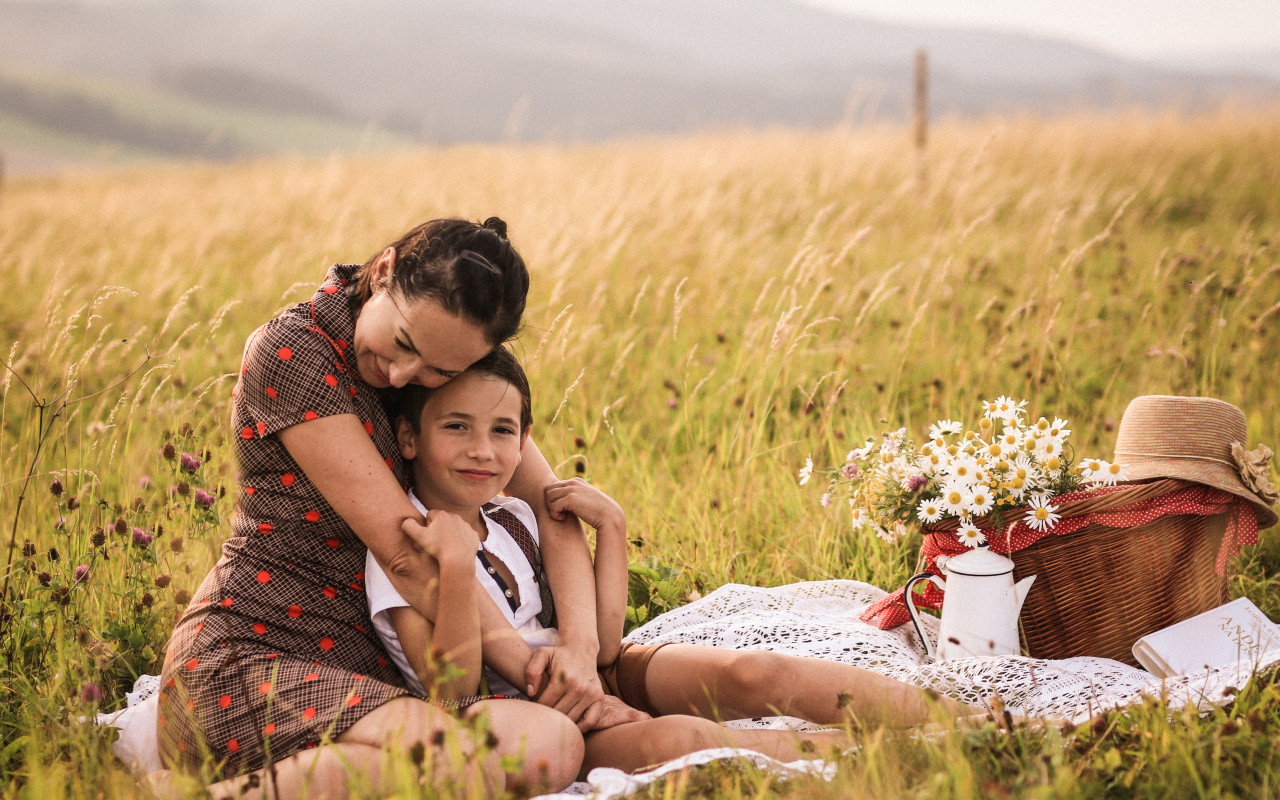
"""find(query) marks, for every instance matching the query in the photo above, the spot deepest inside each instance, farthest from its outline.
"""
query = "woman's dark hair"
(471, 270)
(500, 363)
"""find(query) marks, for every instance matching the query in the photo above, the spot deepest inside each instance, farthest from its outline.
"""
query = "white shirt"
(383, 596)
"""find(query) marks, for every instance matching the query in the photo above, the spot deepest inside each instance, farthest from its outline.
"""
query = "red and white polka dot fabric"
(1242, 529)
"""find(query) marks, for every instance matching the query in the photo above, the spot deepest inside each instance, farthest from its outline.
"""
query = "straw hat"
(1196, 439)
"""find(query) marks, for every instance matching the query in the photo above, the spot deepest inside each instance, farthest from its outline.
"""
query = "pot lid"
(978, 561)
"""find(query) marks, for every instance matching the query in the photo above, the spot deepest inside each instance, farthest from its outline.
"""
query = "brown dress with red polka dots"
(276, 652)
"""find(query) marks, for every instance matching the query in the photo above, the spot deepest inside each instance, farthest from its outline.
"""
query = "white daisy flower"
(861, 452)
(963, 468)
(1117, 473)
(806, 472)
(859, 519)
(953, 498)
(1047, 447)
(991, 408)
(1058, 429)
(929, 510)
(1102, 472)
(885, 534)
(1092, 469)
(970, 535)
(1042, 516)
(1007, 409)
(944, 427)
(980, 501)
(1010, 439)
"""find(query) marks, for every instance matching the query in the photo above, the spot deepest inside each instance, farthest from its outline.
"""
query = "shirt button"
(492, 570)
(507, 593)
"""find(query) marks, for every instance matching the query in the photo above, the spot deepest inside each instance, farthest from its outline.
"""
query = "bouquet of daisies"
(1008, 467)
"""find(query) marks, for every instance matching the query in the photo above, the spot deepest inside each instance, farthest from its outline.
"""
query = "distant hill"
(439, 72)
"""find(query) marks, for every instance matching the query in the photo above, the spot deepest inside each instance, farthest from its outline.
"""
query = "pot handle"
(911, 607)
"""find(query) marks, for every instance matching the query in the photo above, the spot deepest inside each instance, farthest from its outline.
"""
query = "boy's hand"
(586, 502)
(445, 537)
(550, 681)
(615, 712)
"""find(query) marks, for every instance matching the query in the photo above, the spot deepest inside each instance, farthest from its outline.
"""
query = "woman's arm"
(573, 687)
(603, 513)
(340, 459)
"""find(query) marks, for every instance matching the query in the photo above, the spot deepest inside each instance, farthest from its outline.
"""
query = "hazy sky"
(1136, 28)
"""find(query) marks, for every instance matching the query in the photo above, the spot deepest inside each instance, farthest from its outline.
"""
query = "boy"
(465, 445)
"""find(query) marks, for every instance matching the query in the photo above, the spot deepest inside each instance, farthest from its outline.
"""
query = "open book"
(1237, 631)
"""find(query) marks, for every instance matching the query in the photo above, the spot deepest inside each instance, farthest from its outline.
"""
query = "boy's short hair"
(500, 363)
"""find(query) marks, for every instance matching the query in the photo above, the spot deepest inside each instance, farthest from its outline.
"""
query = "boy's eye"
(505, 431)
(402, 345)
(454, 426)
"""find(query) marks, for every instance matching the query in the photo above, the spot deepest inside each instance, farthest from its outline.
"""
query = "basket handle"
(915, 614)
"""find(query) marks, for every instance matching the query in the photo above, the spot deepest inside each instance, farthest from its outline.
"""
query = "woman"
(274, 656)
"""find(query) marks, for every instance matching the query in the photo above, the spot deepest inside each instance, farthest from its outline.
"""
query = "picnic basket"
(1101, 587)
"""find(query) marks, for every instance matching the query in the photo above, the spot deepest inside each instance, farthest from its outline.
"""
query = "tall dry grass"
(705, 312)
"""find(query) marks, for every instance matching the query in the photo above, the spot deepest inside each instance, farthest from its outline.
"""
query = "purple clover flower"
(82, 573)
(850, 471)
(916, 482)
(90, 692)
(190, 463)
(141, 538)
(204, 499)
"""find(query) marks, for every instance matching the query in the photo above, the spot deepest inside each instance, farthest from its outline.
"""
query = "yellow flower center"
(995, 450)
(1042, 514)
(1042, 424)
(1053, 464)
(1114, 469)
(954, 498)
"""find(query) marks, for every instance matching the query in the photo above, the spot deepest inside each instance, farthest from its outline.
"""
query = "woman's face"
(400, 341)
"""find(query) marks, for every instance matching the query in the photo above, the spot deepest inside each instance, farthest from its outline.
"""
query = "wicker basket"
(1099, 589)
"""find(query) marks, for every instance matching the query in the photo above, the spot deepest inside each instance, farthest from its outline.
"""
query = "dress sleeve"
(290, 374)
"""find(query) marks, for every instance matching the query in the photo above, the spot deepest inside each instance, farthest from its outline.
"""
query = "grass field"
(705, 313)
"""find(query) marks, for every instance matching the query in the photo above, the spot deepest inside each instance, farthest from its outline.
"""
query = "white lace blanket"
(820, 620)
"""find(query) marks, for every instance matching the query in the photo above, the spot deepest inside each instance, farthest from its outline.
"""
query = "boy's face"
(468, 444)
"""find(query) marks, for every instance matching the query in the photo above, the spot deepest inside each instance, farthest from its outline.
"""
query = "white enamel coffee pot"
(980, 613)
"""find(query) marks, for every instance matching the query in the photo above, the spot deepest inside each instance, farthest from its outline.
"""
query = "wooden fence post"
(922, 118)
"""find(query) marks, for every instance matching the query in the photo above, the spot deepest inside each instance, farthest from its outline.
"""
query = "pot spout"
(1021, 588)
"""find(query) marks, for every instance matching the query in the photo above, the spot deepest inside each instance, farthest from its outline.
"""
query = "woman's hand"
(586, 502)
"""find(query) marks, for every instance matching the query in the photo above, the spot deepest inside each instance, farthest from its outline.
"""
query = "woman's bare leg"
(547, 742)
(734, 684)
(637, 745)
(324, 773)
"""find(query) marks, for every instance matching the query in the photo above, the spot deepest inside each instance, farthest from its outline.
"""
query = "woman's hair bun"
(496, 225)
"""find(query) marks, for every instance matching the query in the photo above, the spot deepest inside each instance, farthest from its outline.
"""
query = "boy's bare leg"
(735, 684)
(637, 745)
